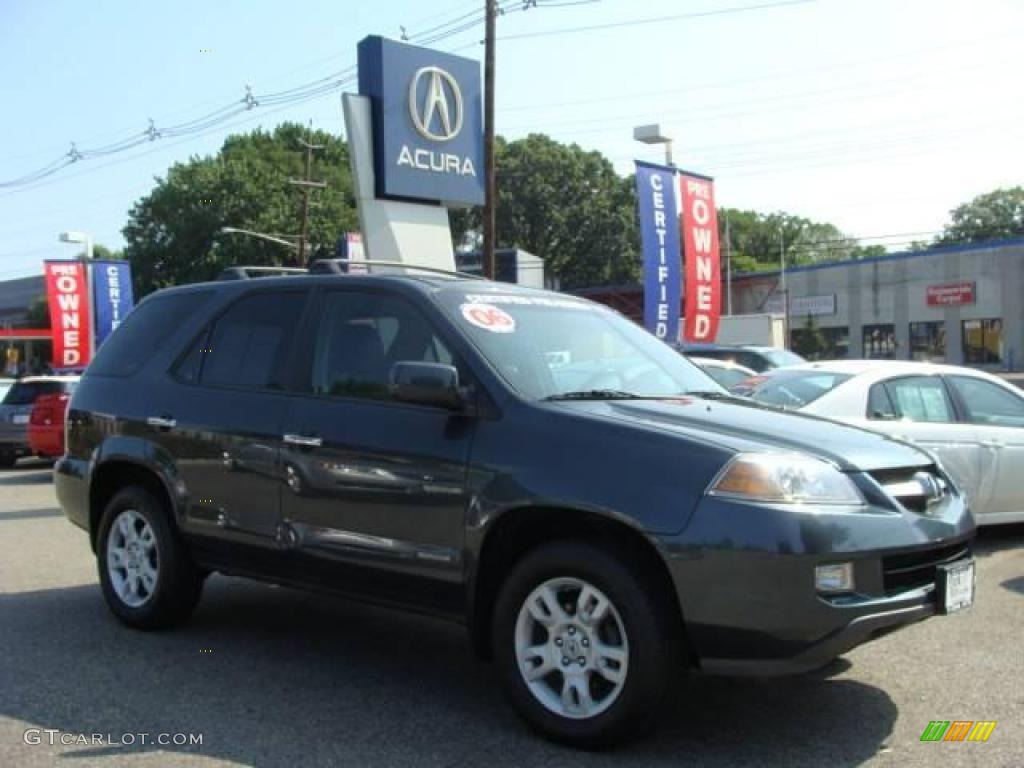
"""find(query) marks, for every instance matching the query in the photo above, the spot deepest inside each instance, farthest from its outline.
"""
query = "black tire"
(178, 583)
(655, 654)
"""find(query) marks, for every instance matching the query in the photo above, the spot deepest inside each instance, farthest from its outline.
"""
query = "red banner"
(703, 283)
(67, 293)
(950, 294)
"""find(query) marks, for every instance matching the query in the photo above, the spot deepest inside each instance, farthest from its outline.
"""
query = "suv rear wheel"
(584, 647)
(148, 579)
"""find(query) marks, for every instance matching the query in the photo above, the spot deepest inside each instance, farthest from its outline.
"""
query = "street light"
(78, 237)
(260, 235)
(652, 134)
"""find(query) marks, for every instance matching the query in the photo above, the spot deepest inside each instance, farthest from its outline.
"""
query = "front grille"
(917, 569)
(917, 489)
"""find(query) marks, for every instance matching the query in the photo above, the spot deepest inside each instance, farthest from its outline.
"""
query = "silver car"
(973, 421)
(16, 409)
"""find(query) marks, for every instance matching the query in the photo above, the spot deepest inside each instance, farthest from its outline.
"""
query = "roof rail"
(249, 272)
(340, 267)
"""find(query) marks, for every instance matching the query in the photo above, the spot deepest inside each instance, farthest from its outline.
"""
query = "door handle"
(306, 441)
(993, 443)
(161, 422)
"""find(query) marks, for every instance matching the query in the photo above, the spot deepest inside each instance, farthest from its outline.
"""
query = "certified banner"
(112, 295)
(659, 235)
(67, 294)
(700, 249)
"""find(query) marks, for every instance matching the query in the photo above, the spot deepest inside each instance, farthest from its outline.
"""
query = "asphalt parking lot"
(273, 677)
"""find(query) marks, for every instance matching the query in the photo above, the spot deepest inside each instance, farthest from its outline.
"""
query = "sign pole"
(489, 188)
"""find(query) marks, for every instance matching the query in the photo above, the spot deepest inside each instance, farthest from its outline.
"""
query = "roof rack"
(339, 266)
(249, 272)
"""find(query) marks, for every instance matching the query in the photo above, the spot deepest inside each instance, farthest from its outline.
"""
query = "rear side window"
(144, 331)
(248, 343)
(989, 403)
(26, 392)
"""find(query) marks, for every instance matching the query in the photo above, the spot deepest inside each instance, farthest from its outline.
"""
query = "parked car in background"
(598, 512)
(16, 412)
(973, 421)
(46, 425)
(725, 372)
(756, 358)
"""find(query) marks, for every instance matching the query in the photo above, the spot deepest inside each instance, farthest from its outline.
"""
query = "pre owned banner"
(700, 250)
(112, 294)
(659, 235)
(67, 293)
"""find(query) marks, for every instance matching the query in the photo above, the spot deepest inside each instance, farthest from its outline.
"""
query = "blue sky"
(878, 116)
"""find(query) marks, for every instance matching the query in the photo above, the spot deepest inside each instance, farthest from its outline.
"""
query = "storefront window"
(928, 341)
(983, 341)
(880, 341)
(813, 343)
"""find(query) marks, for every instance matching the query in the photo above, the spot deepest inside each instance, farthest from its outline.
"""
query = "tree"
(173, 233)
(994, 215)
(564, 204)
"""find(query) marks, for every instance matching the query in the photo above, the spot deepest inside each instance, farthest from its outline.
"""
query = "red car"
(46, 425)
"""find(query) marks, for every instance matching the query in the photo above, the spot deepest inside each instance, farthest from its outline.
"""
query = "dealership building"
(960, 304)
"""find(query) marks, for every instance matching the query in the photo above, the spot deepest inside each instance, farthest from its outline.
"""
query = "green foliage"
(173, 233)
(809, 341)
(994, 215)
(758, 239)
(564, 204)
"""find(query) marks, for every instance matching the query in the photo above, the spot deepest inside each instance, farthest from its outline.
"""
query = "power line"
(251, 101)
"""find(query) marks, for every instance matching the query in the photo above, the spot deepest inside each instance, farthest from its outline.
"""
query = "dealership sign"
(679, 225)
(112, 295)
(699, 224)
(659, 232)
(824, 304)
(67, 294)
(427, 122)
(950, 294)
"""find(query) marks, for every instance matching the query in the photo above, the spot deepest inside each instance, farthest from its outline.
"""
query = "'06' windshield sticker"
(488, 317)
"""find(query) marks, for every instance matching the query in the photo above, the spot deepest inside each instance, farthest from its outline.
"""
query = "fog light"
(834, 577)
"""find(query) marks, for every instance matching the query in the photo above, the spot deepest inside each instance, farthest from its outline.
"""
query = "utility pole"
(307, 185)
(490, 12)
(785, 290)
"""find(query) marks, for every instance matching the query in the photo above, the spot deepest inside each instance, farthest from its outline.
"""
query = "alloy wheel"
(133, 562)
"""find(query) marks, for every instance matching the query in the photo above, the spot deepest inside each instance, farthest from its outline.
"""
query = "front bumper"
(744, 577)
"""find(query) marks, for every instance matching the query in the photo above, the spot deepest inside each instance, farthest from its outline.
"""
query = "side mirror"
(434, 384)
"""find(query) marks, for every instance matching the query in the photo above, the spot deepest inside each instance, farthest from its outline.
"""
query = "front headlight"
(785, 478)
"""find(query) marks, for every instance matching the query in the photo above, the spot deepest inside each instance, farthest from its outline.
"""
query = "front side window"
(989, 403)
(983, 341)
(920, 398)
(248, 343)
(361, 336)
(546, 346)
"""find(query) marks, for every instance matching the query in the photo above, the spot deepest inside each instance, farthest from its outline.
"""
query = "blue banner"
(659, 235)
(112, 295)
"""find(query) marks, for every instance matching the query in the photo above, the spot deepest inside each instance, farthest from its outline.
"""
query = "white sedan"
(973, 421)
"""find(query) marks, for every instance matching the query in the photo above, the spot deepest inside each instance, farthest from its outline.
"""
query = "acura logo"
(438, 114)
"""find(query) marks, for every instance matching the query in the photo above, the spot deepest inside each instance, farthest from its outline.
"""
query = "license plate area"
(20, 418)
(954, 586)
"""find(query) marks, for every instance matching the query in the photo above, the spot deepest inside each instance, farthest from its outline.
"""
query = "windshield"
(797, 389)
(548, 346)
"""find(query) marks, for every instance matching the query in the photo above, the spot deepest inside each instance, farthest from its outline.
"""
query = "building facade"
(962, 305)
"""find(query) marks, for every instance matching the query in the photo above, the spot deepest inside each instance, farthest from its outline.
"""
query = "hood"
(743, 426)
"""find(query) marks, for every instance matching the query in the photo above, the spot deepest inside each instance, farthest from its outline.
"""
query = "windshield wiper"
(710, 394)
(595, 394)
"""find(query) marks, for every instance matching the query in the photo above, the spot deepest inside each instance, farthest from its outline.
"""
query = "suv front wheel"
(584, 646)
(148, 579)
